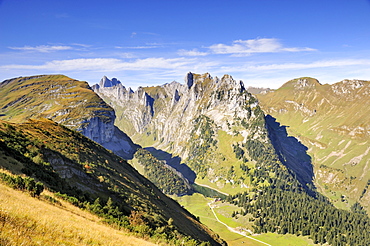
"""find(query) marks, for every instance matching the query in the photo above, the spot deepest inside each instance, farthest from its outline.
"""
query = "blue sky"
(262, 42)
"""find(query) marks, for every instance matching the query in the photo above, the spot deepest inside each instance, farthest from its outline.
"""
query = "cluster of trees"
(268, 170)
(163, 176)
(283, 205)
(201, 145)
(23, 183)
(365, 189)
(239, 152)
(282, 211)
(42, 171)
(136, 221)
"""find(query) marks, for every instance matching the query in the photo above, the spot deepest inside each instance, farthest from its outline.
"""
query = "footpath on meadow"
(243, 233)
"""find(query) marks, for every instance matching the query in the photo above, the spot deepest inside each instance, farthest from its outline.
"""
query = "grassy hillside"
(51, 96)
(95, 179)
(333, 121)
(30, 221)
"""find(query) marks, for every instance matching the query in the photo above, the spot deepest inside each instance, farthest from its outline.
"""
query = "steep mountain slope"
(203, 121)
(333, 121)
(66, 101)
(95, 179)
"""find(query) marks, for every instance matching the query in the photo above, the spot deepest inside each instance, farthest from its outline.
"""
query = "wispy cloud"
(193, 52)
(106, 64)
(138, 47)
(317, 64)
(43, 48)
(82, 45)
(259, 45)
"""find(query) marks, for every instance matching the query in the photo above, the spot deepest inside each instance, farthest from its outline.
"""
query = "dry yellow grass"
(28, 221)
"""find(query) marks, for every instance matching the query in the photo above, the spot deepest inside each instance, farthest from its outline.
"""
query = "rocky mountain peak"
(259, 90)
(228, 82)
(355, 82)
(105, 82)
(302, 83)
(306, 82)
(352, 90)
(158, 111)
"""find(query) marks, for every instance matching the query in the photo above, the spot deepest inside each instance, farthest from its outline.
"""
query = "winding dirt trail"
(233, 229)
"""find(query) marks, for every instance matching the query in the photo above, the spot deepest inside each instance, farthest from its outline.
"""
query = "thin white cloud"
(259, 45)
(140, 47)
(82, 45)
(106, 64)
(317, 64)
(125, 55)
(344, 68)
(43, 48)
(193, 52)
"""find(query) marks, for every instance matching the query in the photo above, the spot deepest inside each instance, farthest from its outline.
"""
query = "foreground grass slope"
(30, 221)
(95, 179)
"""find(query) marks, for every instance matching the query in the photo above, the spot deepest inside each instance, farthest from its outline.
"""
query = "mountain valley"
(259, 164)
(225, 138)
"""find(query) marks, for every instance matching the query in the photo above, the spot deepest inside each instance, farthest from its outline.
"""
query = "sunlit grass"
(197, 204)
(29, 221)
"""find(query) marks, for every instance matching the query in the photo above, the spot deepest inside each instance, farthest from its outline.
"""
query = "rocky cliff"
(65, 101)
(203, 122)
(157, 112)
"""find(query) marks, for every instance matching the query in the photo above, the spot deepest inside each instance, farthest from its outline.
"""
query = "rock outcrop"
(168, 117)
(159, 111)
(66, 101)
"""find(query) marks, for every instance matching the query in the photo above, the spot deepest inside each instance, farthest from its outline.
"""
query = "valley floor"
(214, 216)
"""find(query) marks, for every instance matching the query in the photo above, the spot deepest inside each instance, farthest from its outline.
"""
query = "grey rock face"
(109, 136)
(165, 113)
(105, 82)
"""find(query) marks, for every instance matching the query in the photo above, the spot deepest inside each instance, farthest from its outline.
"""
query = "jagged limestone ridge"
(178, 118)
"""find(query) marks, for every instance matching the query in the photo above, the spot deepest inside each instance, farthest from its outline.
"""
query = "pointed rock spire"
(189, 80)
